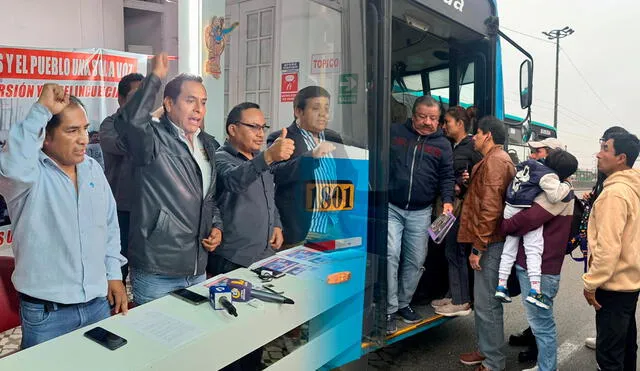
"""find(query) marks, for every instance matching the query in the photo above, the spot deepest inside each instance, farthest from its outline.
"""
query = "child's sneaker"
(538, 299)
(502, 294)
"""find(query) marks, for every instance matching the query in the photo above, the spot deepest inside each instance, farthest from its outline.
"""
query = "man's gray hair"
(425, 100)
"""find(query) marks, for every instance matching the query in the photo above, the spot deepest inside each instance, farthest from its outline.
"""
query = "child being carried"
(532, 178)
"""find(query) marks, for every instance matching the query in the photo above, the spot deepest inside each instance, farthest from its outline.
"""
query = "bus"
(367, 54)
(519, 135)
(265, 51)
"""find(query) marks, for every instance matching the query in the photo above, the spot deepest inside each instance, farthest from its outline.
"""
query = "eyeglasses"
(255, 128)
(265, 275)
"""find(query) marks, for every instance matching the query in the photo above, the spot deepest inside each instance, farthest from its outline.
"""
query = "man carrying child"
(555, 220)
(548, 176)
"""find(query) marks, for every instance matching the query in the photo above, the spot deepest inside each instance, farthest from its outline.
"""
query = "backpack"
(578, 235)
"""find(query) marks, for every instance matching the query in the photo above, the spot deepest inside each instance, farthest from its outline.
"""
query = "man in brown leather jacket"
(480, 226)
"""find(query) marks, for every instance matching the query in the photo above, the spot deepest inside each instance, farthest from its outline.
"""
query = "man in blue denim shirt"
(67, 240)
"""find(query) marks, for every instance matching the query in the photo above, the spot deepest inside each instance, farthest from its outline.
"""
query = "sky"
(599, 71)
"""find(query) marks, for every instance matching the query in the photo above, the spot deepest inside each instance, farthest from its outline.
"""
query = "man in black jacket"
(312, 161)
(421, 169)
(118, 167)
(174, 218)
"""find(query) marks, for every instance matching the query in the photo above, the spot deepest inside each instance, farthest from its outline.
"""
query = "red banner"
(37, 64)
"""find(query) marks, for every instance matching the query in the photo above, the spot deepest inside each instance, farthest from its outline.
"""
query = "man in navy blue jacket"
(421, 169)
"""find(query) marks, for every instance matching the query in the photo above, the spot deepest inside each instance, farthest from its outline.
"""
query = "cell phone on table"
(105, 338)
(190, 296)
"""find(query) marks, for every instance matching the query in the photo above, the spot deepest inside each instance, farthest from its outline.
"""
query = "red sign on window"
(289, 86)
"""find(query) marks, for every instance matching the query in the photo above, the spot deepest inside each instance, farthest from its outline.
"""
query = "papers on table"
(170, 331)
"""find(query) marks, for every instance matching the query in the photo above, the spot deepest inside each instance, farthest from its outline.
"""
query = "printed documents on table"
(164, 329)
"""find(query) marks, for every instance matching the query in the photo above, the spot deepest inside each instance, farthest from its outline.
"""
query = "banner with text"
(92, 75)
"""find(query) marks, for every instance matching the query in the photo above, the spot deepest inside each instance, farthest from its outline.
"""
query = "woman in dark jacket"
(458, 301)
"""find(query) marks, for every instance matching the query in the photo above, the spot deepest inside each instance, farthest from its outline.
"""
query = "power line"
(571, 115)
(549, 103)
(528, 35)
(589, 85)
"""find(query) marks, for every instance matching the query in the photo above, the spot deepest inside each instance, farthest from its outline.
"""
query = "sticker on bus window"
(335, 196)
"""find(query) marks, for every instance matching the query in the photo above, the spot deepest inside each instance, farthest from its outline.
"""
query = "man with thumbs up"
(246, 192)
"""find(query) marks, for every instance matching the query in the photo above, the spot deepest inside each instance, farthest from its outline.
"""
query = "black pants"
(458, 259)
(218, 265)
(616, 344)
(252, 361)
(123, 221)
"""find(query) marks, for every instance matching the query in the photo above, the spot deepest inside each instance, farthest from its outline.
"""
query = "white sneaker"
(590, 343)
(535, 368)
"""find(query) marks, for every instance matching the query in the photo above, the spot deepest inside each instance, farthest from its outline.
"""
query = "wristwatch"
(475, 251)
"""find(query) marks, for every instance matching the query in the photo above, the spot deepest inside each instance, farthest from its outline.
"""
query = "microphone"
(220, 299)
(269, 296)
(242, 291)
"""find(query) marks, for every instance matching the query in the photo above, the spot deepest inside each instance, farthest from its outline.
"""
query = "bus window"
(439, 83)
(467, 85)
(408, 93)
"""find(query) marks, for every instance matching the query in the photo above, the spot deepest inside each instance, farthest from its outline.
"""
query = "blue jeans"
(39, 325)
(407, 239)
(146, 287)
(488, 310)
(541, 320)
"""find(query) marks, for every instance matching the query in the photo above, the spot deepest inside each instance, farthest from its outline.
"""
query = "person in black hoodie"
(458, 301)
(421, 168)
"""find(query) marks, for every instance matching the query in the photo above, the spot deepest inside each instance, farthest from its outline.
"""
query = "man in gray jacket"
(174, 218)
(246, 192)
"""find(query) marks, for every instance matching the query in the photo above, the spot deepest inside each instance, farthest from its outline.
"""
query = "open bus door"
(416, 48)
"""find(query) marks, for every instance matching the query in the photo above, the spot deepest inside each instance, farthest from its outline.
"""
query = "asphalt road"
(439, 348)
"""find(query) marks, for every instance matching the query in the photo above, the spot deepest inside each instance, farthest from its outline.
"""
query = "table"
(334, 312)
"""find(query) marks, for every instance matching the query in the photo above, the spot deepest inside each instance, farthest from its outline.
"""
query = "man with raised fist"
(67, 240)
(174, 222)
(246, 191)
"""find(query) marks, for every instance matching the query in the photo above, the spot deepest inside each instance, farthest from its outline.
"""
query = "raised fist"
(54, 98)
(160, 65)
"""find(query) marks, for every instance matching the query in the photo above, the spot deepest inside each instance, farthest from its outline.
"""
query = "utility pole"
(557, 35)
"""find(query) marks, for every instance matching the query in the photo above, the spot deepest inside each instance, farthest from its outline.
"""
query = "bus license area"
(335, 196)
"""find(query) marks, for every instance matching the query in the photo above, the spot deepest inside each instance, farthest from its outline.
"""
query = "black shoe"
(528, 355)
(523, 339)
(408, 315)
